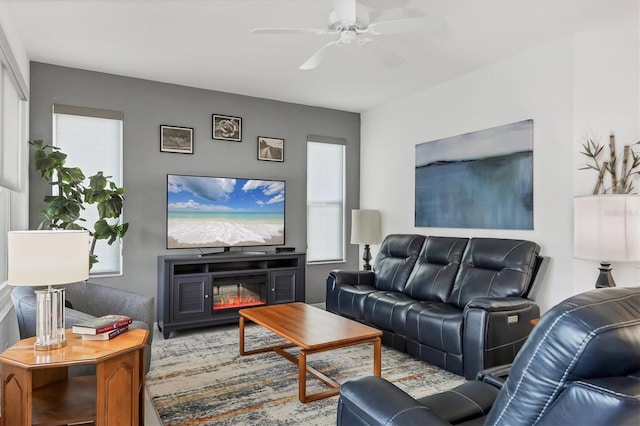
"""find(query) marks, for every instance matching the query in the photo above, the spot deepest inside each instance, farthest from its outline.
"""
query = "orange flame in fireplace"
(237, 301)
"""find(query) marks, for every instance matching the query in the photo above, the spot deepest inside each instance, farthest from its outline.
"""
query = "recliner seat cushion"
(387, 310)
(395, 260)
(470, 400)
(435, 324)
(493, 267)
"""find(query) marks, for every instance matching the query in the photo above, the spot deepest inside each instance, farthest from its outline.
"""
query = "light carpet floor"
(199, 378)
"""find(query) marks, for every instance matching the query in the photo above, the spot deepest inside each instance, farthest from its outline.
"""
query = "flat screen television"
(210, 212)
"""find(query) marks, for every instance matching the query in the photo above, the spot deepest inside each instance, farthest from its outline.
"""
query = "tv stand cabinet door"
(191, 298)
(282, 285)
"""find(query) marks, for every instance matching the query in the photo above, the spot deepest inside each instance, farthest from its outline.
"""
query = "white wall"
(606, 98)
(546, 84)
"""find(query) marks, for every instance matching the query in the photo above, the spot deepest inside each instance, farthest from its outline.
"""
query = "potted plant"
(621, 181)
(64, 210)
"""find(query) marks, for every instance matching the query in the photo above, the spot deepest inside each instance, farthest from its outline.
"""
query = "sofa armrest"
(339, 276)
(494, 331)
(495, 376)
(499, 304)
(374, 401)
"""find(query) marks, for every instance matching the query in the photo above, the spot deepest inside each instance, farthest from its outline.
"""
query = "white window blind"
(92, 140)
(10, 111)
(14, 95)
(325, 200)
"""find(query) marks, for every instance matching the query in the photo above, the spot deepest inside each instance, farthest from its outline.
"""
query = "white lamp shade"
(38, 258)
(365, 226)
(607, 228)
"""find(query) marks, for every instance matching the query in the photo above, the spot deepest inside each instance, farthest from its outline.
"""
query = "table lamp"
(48, 258)
(365, 229)
(607, 229)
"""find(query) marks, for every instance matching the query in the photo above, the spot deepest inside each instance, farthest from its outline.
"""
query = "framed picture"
(485, 177)
(176, 139)
(226, 128)
(270, 149)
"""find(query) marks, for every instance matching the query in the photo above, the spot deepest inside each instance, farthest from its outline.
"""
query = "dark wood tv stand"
(190, 287)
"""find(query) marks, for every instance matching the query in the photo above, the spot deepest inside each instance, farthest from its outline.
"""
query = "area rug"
(199, 378)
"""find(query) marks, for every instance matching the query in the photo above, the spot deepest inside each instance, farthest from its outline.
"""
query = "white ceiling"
(209, 43)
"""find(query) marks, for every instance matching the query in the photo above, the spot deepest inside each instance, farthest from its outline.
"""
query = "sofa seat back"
(395, 260)
(435, 270)
(493, 267)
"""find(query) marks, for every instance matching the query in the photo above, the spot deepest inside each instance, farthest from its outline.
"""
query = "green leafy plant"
(620, 183)
(64, 210)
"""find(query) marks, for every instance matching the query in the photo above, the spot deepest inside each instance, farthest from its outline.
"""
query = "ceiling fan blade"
(384, 55)
(317, 57)
(345, 11)
(401, 26)
(316, 31)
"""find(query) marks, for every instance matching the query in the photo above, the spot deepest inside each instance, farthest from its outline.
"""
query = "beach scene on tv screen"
(224, 212)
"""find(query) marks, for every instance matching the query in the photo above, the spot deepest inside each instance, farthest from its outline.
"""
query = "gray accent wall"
(146, 105)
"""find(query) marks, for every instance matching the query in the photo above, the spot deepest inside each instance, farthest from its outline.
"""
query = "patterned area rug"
(199, 378)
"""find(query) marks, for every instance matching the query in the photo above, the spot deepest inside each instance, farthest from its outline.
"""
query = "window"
(92, 140)
(14, 95)
(325, 199)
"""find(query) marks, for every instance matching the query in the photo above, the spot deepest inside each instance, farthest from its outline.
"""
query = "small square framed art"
(176, 139)
(226, 128)
(270, 149)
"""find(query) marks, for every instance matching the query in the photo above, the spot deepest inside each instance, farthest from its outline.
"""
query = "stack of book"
(102, 328)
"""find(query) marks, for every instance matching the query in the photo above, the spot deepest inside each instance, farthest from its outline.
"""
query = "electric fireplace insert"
(239, 291)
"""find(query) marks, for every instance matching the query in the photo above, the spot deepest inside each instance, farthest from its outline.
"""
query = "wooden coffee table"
(312, 330)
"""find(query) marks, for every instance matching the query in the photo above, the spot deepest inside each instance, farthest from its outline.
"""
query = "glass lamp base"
(50, 319)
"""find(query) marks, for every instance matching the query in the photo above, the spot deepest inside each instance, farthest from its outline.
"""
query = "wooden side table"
(36, 388)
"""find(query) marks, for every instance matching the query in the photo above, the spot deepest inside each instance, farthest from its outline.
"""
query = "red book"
(107, 335)
(101, 324)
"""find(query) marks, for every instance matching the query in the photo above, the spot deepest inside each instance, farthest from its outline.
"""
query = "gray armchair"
(85, 301)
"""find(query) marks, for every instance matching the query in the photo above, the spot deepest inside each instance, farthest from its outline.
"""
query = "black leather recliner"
(580, 366)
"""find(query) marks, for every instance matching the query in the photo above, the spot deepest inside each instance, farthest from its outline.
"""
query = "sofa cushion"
(350, 300)
(493, 267)
(437, 325)
(435, 269)
(387, 310)
(395, 260)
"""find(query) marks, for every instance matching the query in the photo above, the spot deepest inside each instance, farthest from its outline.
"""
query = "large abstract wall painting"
(482, 179)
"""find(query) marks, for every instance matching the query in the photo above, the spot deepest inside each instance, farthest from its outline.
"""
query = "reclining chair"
(580, 366)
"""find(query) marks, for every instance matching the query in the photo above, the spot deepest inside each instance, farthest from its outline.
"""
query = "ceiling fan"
(354, 28)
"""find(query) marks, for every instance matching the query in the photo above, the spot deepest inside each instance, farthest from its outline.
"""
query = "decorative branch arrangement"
(620, 183)
(63, 211)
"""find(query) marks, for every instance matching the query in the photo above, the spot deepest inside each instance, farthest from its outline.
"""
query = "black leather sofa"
(580, 366)
(457, 303)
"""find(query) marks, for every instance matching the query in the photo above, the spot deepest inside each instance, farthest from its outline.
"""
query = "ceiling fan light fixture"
(348, 37)
(354, 28)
